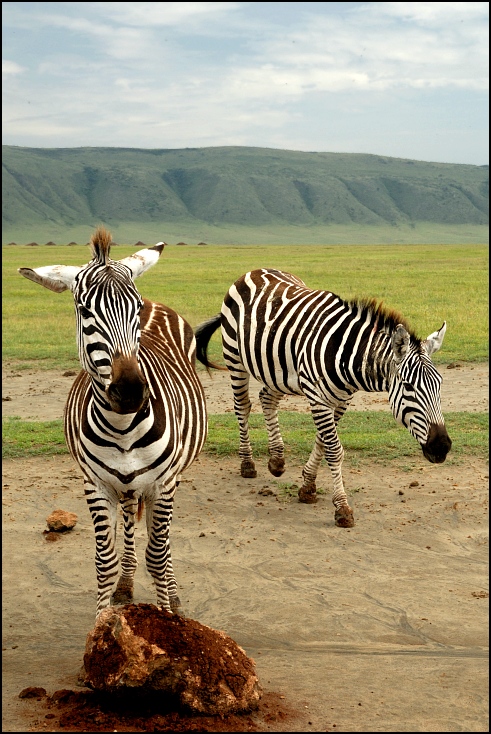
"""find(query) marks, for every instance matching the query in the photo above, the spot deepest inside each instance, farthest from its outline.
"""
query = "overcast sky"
(398, 79)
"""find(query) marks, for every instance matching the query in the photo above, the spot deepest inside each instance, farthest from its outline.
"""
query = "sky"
(403, 79)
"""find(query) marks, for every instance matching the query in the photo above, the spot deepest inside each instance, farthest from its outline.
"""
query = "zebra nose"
(437, 445)
(128, 398)
(128, 391)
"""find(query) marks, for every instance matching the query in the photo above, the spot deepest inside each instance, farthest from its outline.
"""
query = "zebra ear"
(57, 278)
(400, 342)
(141, 261)
(433, 342)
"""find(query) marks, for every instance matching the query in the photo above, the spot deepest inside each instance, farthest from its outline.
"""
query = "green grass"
(365, 435)
(196, 231)
(32, 438)
(426, 283)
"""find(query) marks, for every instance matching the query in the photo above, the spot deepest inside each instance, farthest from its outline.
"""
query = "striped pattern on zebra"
(135, 417)
(295, 340)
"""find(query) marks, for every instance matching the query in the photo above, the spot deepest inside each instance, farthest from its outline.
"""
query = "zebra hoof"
(276, 466)
(343, 517)
(175, 603)
(248, 469)
(123, 593)
(308, 494)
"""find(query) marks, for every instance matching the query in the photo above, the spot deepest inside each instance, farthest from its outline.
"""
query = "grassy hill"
(238, 195)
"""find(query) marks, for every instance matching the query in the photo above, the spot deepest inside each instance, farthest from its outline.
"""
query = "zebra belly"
(266, 366)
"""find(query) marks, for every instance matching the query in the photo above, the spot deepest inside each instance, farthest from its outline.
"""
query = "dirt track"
(379, 628)
(35, 395)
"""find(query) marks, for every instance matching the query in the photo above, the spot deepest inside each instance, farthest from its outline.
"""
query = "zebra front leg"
(242, 407)
(129, 562)
(158, 555)
(276, 447)
(325, 421)
(171, 582)
(103, 511)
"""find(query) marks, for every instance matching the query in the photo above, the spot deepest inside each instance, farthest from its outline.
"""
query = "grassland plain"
(426, 283)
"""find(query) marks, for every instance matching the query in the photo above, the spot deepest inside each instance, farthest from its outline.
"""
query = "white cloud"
(438, 12)
(186, 74)
(161, 14)
(10, 68)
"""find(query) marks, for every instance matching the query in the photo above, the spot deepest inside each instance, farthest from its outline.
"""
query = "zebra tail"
(141, 506)
(203, 333)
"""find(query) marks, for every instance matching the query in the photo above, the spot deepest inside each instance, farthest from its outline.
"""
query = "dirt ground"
(383, 627)
(34, 395)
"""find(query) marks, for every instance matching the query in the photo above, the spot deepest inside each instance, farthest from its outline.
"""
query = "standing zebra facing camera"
(299, 341)
(135, 417)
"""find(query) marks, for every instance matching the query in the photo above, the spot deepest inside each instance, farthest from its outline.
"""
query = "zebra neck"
(375, 366)
(103, 415)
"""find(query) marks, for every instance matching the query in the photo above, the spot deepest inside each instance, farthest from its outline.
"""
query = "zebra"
(135, 416)
(295, 340)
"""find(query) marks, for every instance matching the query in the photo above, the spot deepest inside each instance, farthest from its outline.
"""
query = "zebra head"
(107, 308)
(414, 391)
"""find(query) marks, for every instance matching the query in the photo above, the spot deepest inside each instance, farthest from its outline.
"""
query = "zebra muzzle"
(128, 391)
(438, 444)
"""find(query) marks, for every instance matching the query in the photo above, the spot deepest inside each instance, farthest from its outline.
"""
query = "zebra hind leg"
(308, 491)
(276, 447)
(123, 593)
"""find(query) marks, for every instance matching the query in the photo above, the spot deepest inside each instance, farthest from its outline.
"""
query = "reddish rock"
(61, 520)
(142, 646)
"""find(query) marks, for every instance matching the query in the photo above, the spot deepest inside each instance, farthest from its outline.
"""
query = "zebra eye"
(84, 312)
(408, 387)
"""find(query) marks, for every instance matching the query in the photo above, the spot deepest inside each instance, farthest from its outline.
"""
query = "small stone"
(50, 536)
(32, 692)
(61, 520)
(401, 492)
(62, 695)
(414, 484)
(70, 373)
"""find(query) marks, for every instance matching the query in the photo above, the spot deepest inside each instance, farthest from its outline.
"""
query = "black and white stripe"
(295, 340)
(135, 418)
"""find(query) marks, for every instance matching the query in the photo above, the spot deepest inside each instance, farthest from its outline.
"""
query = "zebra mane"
(100, 244)
(386, 319)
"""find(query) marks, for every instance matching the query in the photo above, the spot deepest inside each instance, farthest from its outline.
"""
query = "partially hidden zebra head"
(414, 391)
(107, 308)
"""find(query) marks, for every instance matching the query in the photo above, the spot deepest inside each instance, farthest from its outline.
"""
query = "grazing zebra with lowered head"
(295, 340)
(135, 417)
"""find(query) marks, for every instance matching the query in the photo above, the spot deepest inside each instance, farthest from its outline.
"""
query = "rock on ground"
(142, 646)
(61, 520)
